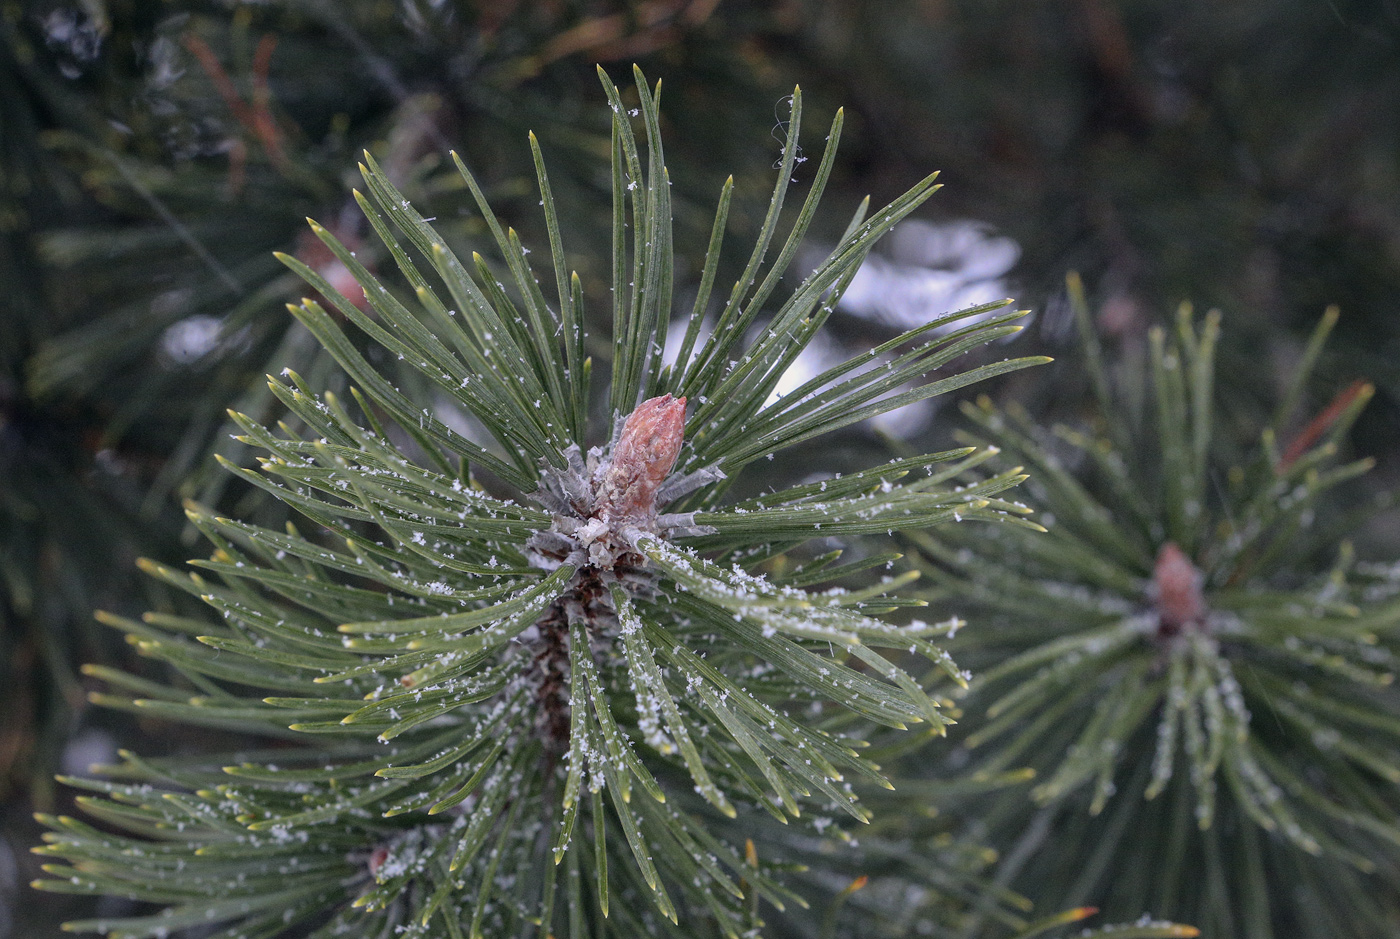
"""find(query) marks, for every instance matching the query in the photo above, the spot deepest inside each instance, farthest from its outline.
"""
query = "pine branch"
(520, 696)
(1167, 663)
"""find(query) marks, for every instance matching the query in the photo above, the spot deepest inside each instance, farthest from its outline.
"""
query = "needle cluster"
(1171, 666)
(513, 683)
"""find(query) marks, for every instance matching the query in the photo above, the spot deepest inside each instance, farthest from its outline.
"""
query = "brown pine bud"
(1176, 589)
(645, 454)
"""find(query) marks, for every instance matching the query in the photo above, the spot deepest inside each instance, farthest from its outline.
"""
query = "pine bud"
(1176, 590)
(644, 456)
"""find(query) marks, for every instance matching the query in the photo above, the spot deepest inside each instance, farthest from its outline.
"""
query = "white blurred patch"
(192, 338)
(928, 269)
(75, 32)
(821, 354)
(905, 422)
(163, 64)
(189, 340)
(459, 419)
(86, 748)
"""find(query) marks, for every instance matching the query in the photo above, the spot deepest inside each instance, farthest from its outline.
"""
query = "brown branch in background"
(264, 125)
(650, 26)
(256, 118)
(1320, 425)
(222, 83)
(493, 14)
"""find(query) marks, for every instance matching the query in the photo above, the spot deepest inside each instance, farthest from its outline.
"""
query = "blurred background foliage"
(153, 155)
